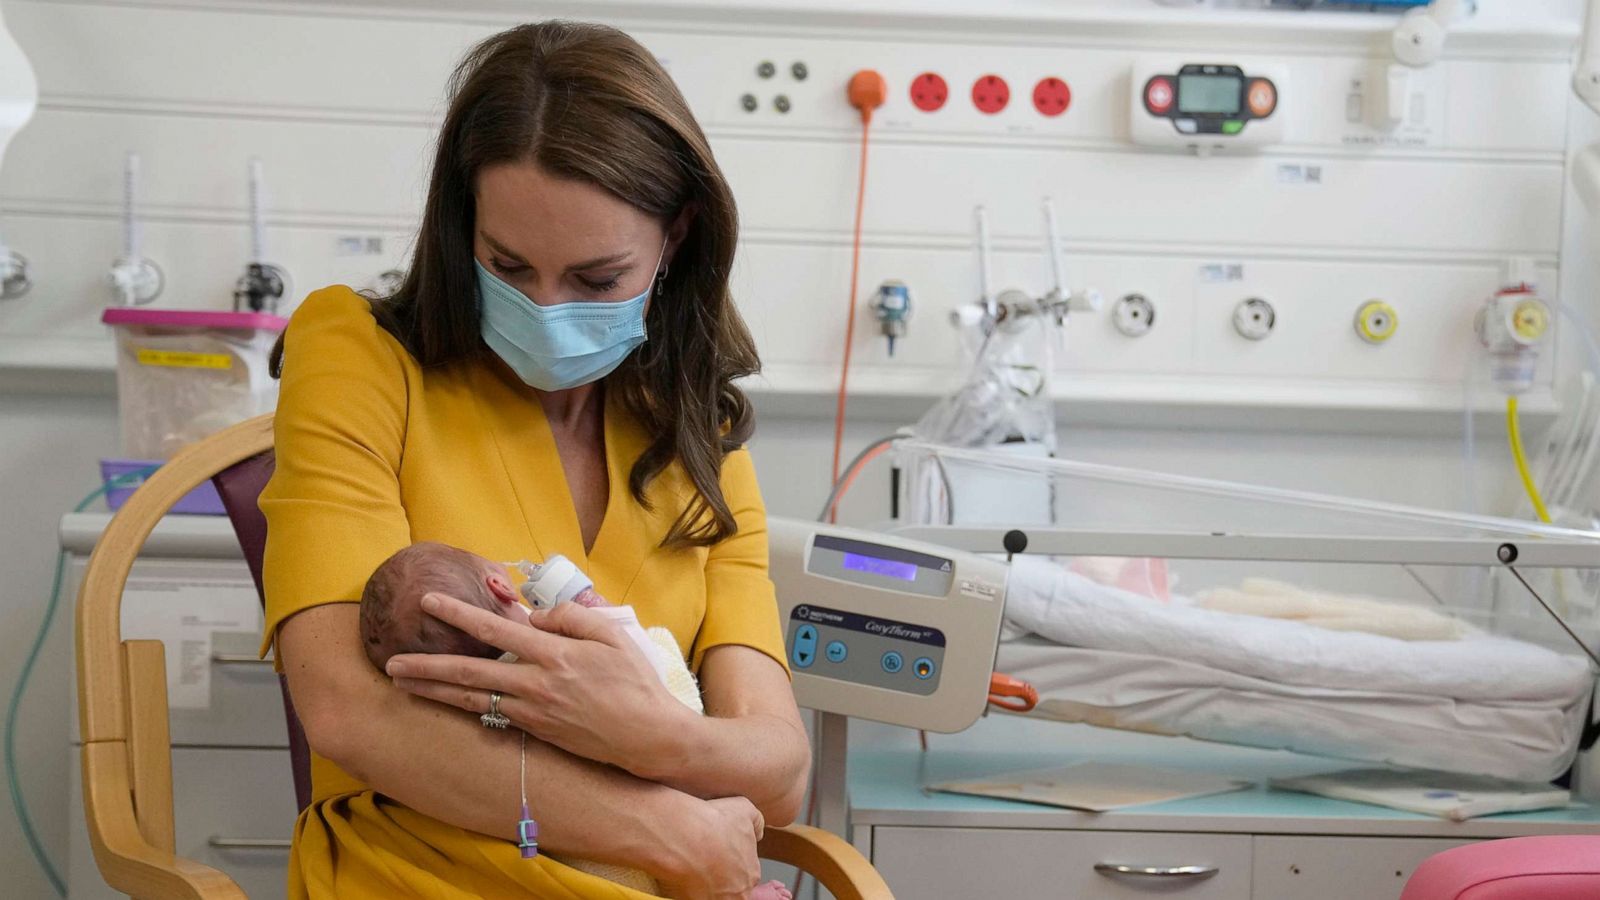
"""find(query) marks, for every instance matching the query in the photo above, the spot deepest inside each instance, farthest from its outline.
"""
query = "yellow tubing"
(1517, 454)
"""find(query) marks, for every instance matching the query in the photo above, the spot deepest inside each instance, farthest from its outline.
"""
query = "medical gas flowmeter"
(887, 629)
(1207, 106)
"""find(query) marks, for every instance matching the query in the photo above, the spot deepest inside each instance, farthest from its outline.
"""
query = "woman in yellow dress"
(554, 376)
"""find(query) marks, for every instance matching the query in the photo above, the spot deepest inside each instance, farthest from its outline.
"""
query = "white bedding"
(1044, 598)
(1527, 740)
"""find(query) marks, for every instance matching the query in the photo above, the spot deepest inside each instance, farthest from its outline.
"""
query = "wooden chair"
(122, 709)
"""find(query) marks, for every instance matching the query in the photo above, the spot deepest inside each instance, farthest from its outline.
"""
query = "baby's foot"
(772, 890)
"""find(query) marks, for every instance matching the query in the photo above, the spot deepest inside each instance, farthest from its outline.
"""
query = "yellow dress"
(375, 453)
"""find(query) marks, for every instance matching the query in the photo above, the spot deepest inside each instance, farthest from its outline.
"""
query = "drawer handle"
(231, 843)
(1110, 869)
(239, 659)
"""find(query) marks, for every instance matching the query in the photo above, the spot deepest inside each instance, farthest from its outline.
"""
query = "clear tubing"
(1469, 443)
(983, 263)
(1559, 470)
(1054, 238)
(132, 240)
(1567, 475)
(258, 235)
(1585, 467)
(1584, 332)
(1581, 455)
(1235, 491)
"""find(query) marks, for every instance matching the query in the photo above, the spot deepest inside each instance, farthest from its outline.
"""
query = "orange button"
(1263, 98)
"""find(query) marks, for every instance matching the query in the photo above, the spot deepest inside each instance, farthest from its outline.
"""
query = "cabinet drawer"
(964, 863)
(246, 708)
(234, 809)
(1369, 868)
(233, 699)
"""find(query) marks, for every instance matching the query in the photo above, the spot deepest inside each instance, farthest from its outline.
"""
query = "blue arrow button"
(836, 651)
(804, 652)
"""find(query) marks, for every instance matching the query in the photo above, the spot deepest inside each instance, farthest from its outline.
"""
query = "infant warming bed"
(1481, 704)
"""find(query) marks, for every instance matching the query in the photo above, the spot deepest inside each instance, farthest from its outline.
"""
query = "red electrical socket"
(929, 92)
(990, 94)
(1051, 96)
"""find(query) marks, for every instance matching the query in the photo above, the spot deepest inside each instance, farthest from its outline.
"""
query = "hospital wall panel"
(340, 103)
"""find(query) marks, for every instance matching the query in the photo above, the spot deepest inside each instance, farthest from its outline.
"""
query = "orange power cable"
(867, 91)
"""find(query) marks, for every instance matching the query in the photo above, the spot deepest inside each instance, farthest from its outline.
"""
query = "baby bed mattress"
(1534, 739)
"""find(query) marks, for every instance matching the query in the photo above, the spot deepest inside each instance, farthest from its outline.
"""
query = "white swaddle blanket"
(1046, 599)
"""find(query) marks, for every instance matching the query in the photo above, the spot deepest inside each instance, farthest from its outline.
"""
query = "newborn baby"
(392, 622)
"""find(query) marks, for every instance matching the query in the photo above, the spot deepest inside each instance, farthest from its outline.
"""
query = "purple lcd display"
(902, 570)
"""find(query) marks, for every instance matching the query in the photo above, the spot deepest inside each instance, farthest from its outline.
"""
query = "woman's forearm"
(467, 775)
(762, 758)
(750, 743)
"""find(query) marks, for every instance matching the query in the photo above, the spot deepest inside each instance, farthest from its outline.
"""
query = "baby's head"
(392, 620)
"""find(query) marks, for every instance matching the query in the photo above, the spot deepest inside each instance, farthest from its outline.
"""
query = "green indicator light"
(1232, 126)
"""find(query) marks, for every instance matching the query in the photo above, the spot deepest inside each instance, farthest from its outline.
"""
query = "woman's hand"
(578, 684)
(718, 853)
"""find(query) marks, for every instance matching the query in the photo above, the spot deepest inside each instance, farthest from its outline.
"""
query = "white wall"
(49, 445)
(340, 101)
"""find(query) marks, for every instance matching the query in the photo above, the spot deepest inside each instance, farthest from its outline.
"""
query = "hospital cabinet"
(233, 788)
(1254, 844)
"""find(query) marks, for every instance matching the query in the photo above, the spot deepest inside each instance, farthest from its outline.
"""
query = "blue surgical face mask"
(557, 347)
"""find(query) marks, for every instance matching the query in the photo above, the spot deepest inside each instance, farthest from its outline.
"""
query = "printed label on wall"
(358, 245)
(1217, 273)
(1294, 173)
(178, 359)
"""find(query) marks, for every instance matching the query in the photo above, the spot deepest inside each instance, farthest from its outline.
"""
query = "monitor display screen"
(1213, 94)
(858, 562)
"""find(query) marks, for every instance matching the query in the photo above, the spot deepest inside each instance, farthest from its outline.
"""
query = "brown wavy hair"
(589, 103)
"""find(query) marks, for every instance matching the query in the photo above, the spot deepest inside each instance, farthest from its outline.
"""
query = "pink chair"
(1563, 867)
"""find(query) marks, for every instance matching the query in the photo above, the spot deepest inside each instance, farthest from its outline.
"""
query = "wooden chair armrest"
(824, 856)
(127, 861)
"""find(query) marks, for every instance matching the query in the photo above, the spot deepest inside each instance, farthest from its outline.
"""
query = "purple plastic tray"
(202, 501)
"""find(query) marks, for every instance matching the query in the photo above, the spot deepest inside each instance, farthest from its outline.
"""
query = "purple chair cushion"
(239, 486)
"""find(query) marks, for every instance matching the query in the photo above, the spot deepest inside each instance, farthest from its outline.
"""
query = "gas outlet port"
(1051, 96)
(1254, 319)
(1134, 315)
(990, 94)
(1376, 322)
(929, 92)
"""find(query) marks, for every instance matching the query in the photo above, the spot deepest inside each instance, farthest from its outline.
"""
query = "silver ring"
(494, 718)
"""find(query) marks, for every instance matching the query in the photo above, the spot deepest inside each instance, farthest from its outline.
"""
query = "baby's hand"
(772, 890)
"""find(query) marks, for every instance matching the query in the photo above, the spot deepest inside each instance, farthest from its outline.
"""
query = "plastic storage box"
(182, 375)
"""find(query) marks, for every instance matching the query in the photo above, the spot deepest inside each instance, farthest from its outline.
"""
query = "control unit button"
(1232, 126)
(804, 652)
(922, 668)
(1158, 95)
(1262, 98)
(836, 651)
(893, 662)
(1187, 126)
